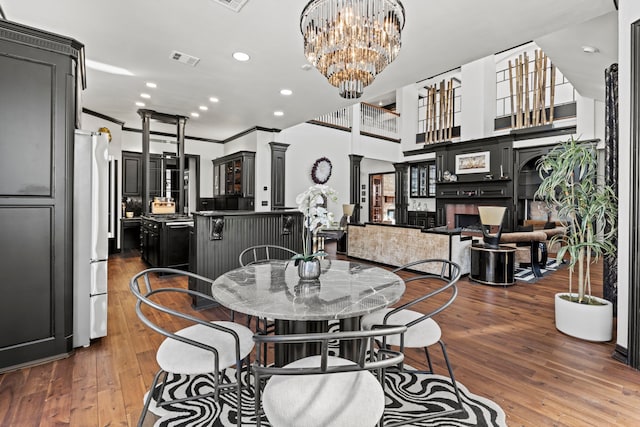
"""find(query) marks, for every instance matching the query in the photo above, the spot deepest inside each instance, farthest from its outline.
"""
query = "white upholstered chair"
(201, 348)
(324, 390)
(422, 330)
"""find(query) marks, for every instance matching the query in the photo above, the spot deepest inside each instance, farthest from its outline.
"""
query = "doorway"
(171, 182)
(382, 198)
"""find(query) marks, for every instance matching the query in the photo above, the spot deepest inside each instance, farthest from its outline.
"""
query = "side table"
(492, 266)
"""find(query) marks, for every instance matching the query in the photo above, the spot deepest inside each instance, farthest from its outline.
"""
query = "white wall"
(246, 142)
(629, 12)
(308, 143)
(478, 98)
(263, 169)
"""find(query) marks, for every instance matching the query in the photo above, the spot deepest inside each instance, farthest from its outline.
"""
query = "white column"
(478, 99)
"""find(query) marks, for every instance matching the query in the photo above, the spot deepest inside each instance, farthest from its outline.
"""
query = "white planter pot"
(587, 322)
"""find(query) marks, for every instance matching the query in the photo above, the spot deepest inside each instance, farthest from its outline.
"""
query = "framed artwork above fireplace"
(473, 163)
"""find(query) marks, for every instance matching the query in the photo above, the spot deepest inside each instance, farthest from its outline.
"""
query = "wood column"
(354, 187)
(278, 168)
(402, 193)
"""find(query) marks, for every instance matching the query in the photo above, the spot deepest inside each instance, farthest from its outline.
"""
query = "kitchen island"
(396, 245)
(164, 240)
(218, 237)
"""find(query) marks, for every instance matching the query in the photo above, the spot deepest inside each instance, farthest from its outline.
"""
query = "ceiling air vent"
(184, 58)
(234, 5)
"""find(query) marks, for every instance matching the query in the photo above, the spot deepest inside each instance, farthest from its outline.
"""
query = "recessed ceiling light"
(589, 49)
(278, 113)
(241, 56)
(151, 85)
(140, 104)
(203, 108)
(145, 95)
(194, 114)
(286, 92)
(107, 68)
(214, 99)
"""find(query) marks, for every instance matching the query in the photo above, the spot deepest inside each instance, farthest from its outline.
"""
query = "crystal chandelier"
(351, 41)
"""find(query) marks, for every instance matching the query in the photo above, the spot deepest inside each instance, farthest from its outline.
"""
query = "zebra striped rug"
(408, 395)
(526, 275)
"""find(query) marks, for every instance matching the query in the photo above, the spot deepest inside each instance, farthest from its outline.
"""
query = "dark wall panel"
(27, 270)
(217, 255)
(26, 122)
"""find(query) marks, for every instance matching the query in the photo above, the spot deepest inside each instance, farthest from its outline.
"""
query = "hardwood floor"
(501, 341)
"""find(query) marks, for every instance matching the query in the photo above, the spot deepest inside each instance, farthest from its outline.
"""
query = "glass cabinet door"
(422, 180)
(431, 186)
(413, 181)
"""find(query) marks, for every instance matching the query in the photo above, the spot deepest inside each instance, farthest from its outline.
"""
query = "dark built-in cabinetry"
(234, 181)
(422, 219)
(38, 83)
(492, 184)
(526, 183)
(132, 175)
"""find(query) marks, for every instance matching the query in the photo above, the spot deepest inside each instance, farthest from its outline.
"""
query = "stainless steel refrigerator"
(90, 236)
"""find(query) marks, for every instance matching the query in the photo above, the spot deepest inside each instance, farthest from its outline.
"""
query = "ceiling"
(438, 36)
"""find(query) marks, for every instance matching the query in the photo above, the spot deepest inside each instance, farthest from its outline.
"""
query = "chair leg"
(239, 392)
(453, 380)
(426, 353)
(147, 401)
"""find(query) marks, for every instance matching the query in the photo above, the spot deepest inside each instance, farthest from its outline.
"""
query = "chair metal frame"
(449, 275)
(376, 361)
(145, 297)
(263, 325)
(265, 250)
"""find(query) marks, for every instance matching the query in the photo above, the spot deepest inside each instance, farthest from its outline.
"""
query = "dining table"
(344, 292)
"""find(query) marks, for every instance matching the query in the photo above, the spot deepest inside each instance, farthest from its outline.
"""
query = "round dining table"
(345, 291)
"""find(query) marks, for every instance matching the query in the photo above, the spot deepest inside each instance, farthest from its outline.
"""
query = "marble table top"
(345, 289)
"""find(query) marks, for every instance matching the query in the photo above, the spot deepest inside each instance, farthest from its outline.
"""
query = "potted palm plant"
(585, 207)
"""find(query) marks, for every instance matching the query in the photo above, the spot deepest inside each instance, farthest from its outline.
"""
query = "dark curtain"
(610, 267)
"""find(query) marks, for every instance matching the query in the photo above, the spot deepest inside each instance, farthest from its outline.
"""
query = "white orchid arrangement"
(310, 203)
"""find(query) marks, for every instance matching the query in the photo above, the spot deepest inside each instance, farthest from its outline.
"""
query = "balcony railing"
(340, 119)
(374, 121)
(379, 122)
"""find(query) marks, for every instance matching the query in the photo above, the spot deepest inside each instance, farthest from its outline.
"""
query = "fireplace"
(465, 215)
(468, 221)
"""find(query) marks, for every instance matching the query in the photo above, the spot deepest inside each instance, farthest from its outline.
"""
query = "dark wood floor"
(501, 340)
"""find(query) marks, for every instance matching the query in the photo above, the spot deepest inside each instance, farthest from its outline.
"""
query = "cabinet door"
(237, 176)
(228, 177)
(131, 174)
(153, 249)
(216, 180)
(412, 218)
(413, 181)
(248, 175)
(431, 180)
(144, 244)
(422, 180)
